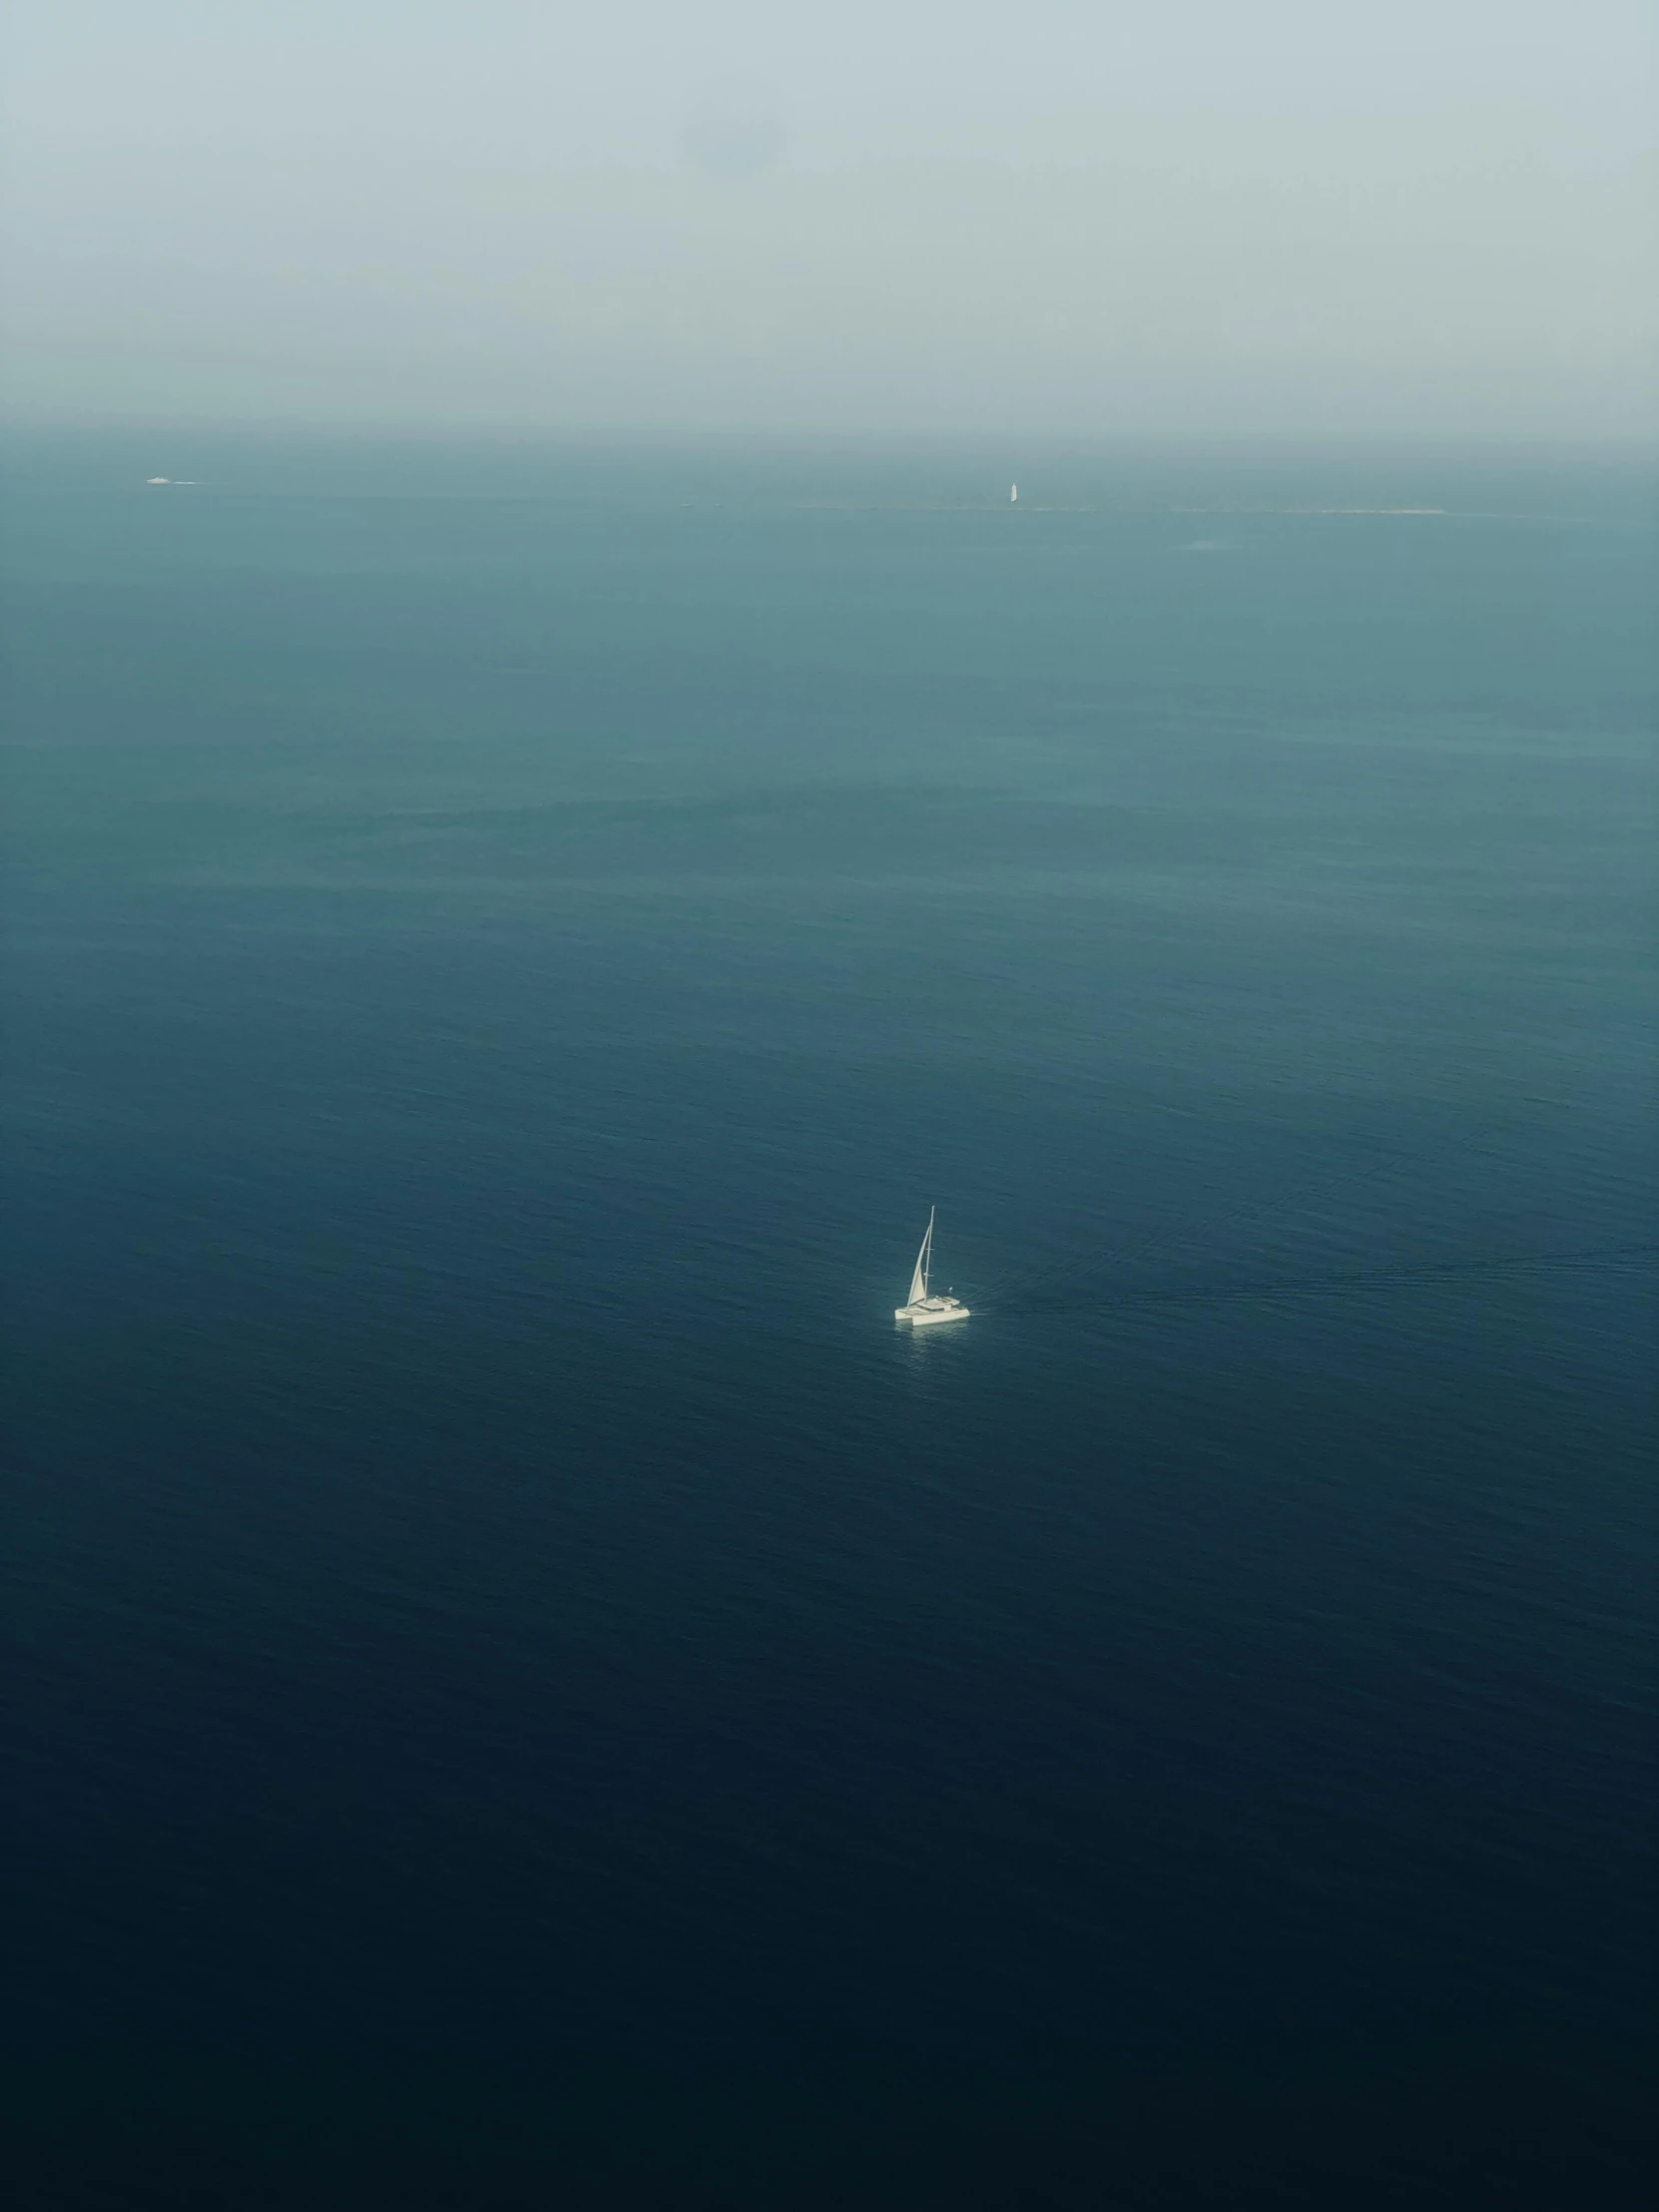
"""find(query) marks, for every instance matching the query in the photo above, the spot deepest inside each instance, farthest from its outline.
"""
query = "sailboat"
(922, 1309)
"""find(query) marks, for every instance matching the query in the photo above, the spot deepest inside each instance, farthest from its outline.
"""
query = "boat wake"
(1101, 1296)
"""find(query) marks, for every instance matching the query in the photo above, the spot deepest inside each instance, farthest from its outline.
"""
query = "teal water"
(526, 1687)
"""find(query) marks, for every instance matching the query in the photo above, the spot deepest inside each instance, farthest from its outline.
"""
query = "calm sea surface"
(525, 1688)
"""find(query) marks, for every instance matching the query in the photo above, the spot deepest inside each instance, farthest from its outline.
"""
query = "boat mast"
(927, 1250)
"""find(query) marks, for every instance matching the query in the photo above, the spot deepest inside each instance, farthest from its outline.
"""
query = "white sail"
(921, 1310)
(919, 1281)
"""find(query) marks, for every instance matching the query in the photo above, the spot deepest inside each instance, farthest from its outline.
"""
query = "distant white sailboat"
(1013, 495)
(922, 1309)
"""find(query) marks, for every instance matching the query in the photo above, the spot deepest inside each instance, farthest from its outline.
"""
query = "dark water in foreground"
(525, 1688)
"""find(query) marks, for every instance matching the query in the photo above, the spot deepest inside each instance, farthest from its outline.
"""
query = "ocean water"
(525, 1687)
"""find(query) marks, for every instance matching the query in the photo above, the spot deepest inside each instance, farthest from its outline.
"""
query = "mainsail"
(919, 1281)
(924, 1307)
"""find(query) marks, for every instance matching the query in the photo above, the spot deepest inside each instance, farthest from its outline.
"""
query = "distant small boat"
(922, 1309)
(1013, 493)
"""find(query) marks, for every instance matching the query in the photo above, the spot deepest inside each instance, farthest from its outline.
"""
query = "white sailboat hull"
(926, 1311)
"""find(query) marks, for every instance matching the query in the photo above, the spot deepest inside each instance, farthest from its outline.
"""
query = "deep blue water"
(525, 1688)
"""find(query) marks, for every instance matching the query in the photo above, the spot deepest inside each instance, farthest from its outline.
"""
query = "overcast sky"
(1184, 214)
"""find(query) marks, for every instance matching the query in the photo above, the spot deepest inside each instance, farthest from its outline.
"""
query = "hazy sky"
(1429, 215)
